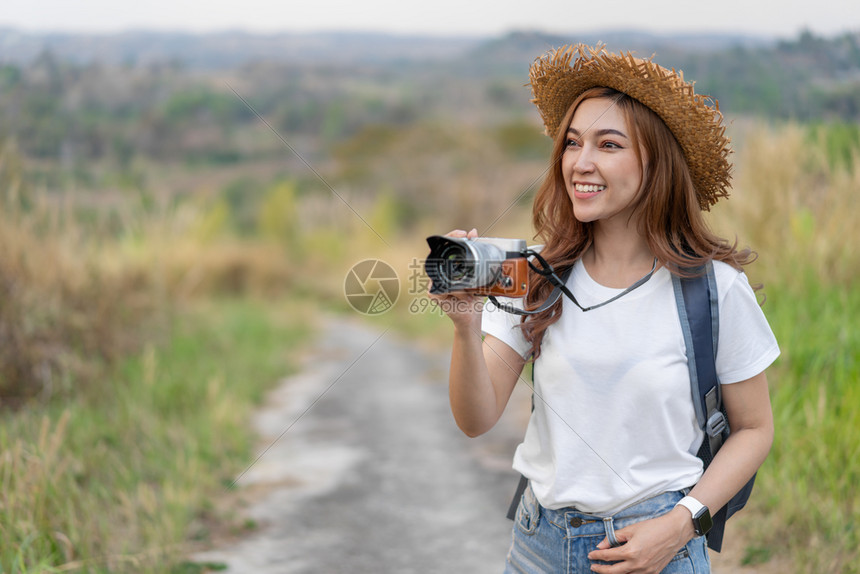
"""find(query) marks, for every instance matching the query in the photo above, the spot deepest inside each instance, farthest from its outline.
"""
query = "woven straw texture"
(693, 119)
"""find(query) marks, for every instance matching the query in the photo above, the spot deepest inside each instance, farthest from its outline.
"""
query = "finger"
(456, 233)
(608, 568)
(623, 535)
(608, 555)
(604, 544)
(473, 233)
(605, 551)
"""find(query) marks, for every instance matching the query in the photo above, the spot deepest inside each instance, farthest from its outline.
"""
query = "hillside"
(160, 95)
(228, 49)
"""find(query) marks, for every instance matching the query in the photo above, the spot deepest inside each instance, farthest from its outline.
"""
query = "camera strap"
(560, 288)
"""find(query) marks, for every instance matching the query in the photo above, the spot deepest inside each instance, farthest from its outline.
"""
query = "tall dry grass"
(794, 207)
(64, 315)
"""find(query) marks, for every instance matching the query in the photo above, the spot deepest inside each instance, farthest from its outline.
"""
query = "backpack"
(697, 301)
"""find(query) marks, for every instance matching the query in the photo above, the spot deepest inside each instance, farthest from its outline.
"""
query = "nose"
(584, 160)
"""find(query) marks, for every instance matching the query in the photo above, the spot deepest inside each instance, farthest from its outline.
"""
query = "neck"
(618, 257)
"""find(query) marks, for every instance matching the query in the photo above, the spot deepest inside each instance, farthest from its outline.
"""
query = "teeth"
(590, 188)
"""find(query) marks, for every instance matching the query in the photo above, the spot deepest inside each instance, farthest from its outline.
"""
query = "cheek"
(567, 163)
(634, 173)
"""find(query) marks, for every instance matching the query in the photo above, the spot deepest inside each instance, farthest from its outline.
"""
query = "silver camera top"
(505, 244)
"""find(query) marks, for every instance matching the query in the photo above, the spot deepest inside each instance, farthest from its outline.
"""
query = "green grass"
(120, 478)
(806, 502)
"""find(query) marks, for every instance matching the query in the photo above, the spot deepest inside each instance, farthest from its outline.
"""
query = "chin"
(584, 216)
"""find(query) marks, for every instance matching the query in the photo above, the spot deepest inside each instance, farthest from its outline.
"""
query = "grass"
(118, 480)
(806, 500)
(797, 207)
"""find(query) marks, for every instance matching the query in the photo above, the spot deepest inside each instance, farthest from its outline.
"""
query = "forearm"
(751, 421)
(736, 462)
(474, 400)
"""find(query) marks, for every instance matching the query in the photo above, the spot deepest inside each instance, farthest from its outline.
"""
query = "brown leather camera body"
(512, 282)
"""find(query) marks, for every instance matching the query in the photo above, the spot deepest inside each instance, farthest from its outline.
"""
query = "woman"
(610, 449)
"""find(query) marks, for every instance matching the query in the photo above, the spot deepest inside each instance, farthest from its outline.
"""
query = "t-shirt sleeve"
(505, 326)
(747, 345)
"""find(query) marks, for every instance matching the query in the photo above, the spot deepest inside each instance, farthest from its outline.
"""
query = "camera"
(483, 266)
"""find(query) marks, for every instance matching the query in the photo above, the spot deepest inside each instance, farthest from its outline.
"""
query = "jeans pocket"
(682, 554)
(528, 513)
(691, 559)
(680, 563)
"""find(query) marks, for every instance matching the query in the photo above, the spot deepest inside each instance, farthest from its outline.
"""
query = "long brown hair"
(670, 217)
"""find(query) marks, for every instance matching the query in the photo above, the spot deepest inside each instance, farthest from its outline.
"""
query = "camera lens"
(455, 264)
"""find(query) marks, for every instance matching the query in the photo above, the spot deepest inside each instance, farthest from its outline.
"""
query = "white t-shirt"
(614, 421)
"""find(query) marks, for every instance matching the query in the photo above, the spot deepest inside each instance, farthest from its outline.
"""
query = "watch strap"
(691, 504)
(702, 521)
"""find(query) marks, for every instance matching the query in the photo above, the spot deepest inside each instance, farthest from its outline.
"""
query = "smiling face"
(600, 164)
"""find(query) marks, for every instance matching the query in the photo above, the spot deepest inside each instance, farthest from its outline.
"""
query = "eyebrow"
(603, 132)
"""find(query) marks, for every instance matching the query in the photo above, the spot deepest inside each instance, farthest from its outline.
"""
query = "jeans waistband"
(634, 509)
(577, 523)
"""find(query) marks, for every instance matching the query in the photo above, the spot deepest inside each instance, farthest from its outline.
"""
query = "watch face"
(703, 520)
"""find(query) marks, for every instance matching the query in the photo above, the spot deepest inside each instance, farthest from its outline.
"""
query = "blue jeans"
(558, 541)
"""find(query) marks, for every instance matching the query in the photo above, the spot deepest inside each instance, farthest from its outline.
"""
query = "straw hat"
(694, 120)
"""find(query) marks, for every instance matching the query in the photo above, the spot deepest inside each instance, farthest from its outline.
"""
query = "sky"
(436, 17)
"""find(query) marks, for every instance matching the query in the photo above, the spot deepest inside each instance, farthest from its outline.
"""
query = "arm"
(651, 544)
(483, 373)
(483, 376)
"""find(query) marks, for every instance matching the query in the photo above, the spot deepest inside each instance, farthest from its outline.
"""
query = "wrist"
(684, 523)
(699, 515)
(467, 327)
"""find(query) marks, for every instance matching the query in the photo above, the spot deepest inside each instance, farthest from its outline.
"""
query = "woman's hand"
(647, 546)
(464, 309)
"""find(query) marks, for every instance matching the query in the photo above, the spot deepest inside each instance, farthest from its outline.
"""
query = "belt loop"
(609, 526)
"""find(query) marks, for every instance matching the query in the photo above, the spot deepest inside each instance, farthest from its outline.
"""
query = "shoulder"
(505, 326)
(730, 279)
(725, 273)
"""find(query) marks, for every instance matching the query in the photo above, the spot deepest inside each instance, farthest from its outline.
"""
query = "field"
(148, 301)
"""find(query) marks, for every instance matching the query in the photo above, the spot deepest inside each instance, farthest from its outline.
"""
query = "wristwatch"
(702, 521)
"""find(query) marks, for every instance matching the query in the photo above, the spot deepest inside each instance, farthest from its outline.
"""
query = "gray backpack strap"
(698, 309)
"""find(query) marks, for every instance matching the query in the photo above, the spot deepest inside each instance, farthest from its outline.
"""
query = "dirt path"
(374, 477)
(364, 470)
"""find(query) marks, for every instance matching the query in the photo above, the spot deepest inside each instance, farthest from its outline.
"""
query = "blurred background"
(183, 189)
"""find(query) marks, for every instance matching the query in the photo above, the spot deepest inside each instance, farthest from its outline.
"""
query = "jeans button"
(576, 522)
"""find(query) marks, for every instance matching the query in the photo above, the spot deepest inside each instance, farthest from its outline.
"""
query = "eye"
(611, 145)
(570, 143)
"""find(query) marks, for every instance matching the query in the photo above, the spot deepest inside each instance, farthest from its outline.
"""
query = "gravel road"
(367, 472)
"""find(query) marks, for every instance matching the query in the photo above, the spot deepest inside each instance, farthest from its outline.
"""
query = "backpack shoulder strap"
(698, 309)
(697, 300)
